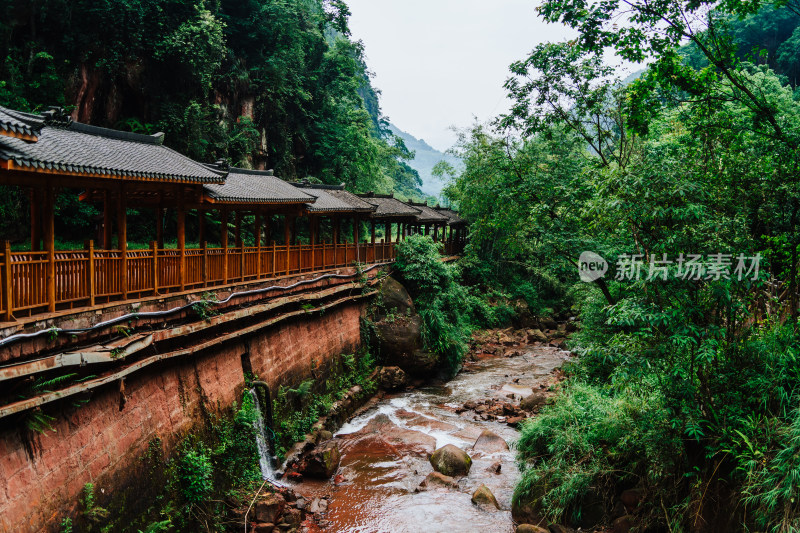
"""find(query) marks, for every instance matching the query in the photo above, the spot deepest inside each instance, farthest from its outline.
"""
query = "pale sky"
(439, 63)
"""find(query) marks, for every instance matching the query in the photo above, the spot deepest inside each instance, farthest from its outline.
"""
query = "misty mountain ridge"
(426, 156)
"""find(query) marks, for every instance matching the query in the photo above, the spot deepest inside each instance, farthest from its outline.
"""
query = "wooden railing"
(37, 282)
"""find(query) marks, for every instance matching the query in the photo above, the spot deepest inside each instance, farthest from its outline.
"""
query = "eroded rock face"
(483, 498)
(451, 461)
(490, 442)
(323, 461)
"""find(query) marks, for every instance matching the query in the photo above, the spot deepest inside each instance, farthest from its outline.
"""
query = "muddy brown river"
(385, 453)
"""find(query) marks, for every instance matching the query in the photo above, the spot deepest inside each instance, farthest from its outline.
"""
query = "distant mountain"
(426, 157)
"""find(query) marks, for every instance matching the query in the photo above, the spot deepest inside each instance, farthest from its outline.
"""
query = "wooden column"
(257, 236)
(106, 219)
(90, 274)
(8, 298)
(312, 225)
(294, 230)
(287, 237)
(223, 238)
(122, 237)
(49, 244)
(336, 228)
(160, 227)
(237, 228)
(201, 226)
(400, 227)
(36, 220)
(373, 233)
(182, 237)
(154, 250)
(435, 233)
(388, 233)
(268, 239)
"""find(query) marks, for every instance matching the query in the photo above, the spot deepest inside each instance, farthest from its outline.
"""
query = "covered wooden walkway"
(44, 153)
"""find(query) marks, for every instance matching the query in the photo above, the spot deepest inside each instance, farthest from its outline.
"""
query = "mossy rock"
(451, 461)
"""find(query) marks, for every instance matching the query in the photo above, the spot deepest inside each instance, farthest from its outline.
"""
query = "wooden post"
(268, 238)
(387, 230)
(106, 219)
(201, 226)
(90, 280)
(36, 220)
(49, 236)
(274, 259)
(287, 237)
(399, 230)
(8, 297)
(182, 237)
(257, 234)
(160, 227)
(373, 232)
(154, 249)
(122, 238)
(356, 224)
(313, 229)
(204, 246)
(223, 238)
(237, 228)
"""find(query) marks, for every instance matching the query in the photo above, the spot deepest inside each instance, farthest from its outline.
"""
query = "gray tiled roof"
(84, 149)
(333, 198)
(388, 206)
(17, 123)
(454, 219)
(256, 186)
(428, 215)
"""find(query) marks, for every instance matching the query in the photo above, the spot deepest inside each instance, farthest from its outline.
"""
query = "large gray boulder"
(451, 461)
(395, 298)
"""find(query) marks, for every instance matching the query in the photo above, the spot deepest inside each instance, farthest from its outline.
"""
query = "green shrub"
(195, 475)
(589, 442)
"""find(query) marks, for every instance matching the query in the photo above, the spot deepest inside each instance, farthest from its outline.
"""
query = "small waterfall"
(264, 456)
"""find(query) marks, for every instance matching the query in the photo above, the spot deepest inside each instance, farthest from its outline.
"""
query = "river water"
(385, 453)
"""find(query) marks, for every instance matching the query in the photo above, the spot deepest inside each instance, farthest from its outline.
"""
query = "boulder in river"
(533, 402)
(437, 480)
(484, 499)
(392, 378)
(490, 442)
(451, 461)
(322, 461)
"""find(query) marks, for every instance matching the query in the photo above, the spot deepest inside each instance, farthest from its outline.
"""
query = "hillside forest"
(261, 84)
(685, 181)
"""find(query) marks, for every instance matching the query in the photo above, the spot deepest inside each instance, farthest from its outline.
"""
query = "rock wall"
(100, 441)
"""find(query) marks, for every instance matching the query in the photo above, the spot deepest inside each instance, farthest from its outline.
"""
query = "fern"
(46, 385)
(303, 389)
